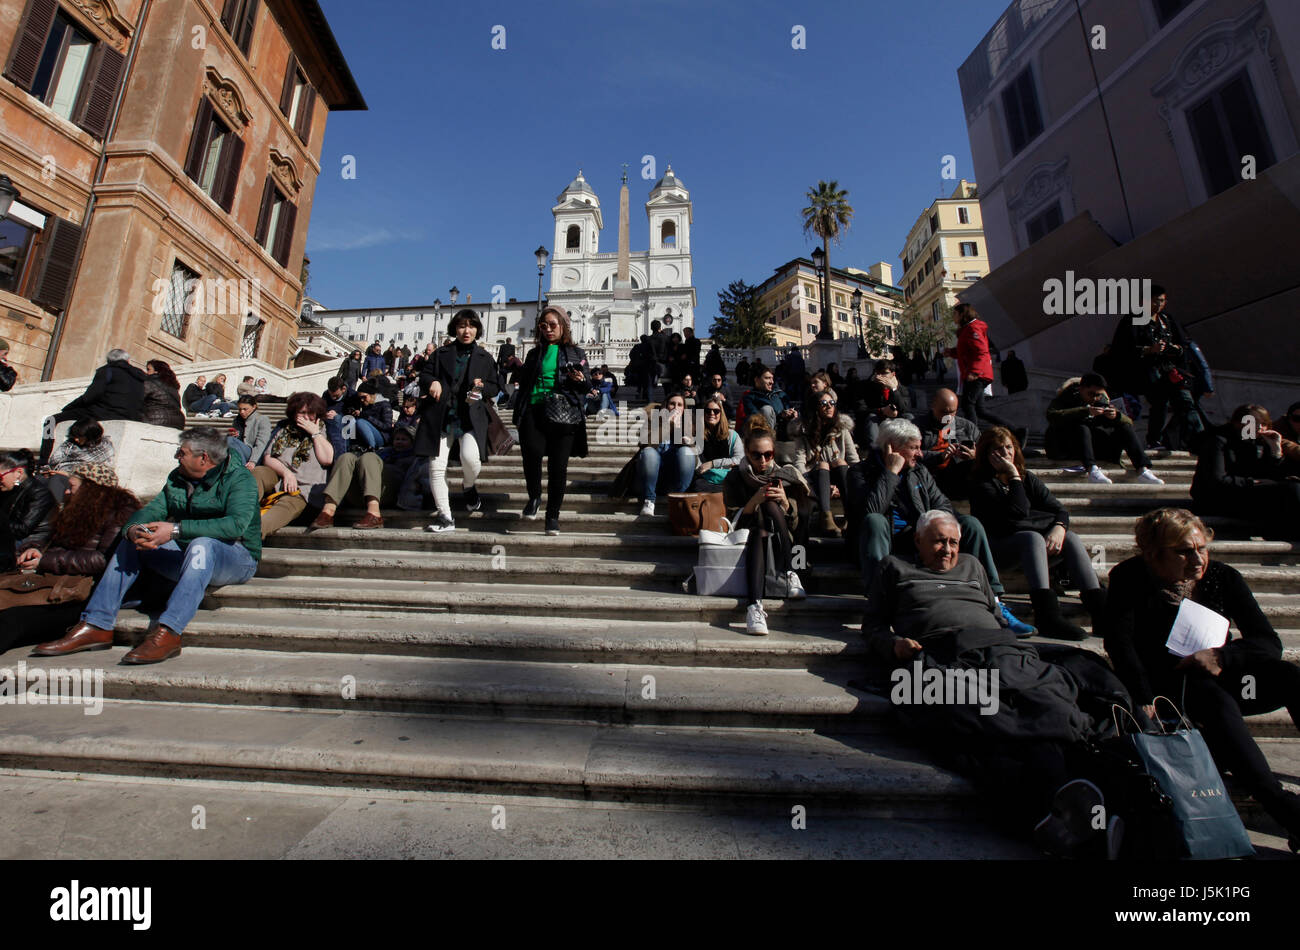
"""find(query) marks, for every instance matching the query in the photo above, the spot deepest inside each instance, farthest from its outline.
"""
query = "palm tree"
(828, 215)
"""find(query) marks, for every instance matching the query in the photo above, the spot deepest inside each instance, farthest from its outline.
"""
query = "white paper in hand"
(1196, 628)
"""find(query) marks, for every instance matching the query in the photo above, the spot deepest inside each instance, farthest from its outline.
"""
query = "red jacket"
(973, 350)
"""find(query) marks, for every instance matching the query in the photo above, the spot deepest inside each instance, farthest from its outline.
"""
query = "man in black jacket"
(948, 444)
(504, 354)
(193, 393)
(1014, 376)
(115, 392)
(888, 491)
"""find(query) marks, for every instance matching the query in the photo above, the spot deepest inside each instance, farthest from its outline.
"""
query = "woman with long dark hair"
(548, 412)
(162, 396)
(1026, 525)
(721, 448)
(824, 451)
(82, 537)
(295, 463)
(25, 503)
(460, 380)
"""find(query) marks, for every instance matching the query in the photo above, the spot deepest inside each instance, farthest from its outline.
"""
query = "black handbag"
(560, 408)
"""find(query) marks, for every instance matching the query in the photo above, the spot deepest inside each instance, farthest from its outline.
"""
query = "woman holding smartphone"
(772, 500)
(548, 412)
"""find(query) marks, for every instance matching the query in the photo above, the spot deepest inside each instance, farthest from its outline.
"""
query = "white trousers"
(470, 466)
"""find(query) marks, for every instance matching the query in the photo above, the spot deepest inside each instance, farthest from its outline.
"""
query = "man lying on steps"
(991, 705)
(203, 528)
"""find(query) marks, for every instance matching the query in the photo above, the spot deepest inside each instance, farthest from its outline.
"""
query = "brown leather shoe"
(80, 636)
(323, 521)
(370, 521)
(158, 645)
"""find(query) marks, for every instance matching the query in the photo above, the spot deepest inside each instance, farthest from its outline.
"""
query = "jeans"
(678, 468)
(212, 403)
(368, 435)
(240, 448)
(1088, 441)
(876, 541)
(201, 562)
(1029, 550)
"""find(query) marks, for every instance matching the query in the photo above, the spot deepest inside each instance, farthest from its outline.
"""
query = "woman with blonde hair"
(1215, 687)
(721, 448)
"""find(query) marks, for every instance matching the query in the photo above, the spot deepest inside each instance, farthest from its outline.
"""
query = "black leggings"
(769, 520)
(537, 438)
(972, 406)
(822, 480)
(1216, 705)
(26, 626)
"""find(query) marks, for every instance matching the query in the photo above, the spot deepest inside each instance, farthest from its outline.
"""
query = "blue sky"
(464, 148)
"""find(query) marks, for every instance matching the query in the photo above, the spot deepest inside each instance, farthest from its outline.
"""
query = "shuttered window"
(275, 223)
(238, 17)
(1020, 105)
(297, 99)
(54, 278)
(66, 68)
(215, 156)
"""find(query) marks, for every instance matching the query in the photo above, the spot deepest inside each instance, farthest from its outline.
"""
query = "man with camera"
(1082, 423)
(948, 444)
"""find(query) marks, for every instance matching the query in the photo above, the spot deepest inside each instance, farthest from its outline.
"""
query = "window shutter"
(283, 240)
(264, 212)
(199, 140)
(303, 125)
(228, 14)
(232, 156)
(104, 75)
(286, 91)
(54, 278)
(244, 36)
(29, 42)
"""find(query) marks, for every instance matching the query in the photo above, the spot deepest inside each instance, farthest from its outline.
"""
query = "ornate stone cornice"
(285, 172)
(226, 96)
(105, 16)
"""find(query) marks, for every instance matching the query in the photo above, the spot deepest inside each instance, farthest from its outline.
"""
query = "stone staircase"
(496, 659)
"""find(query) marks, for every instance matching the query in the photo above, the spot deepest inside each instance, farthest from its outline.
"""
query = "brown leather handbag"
(499, 439)
(688, 512)
(29, 590)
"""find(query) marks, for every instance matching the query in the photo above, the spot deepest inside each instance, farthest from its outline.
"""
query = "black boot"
(1095, 603)
(1048, 619)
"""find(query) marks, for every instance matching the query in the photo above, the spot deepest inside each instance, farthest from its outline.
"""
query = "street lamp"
(857, 318)
(824, 278)
(7, 194)
(541, 256)
(455, 292)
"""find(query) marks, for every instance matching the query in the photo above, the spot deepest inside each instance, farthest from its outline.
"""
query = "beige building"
(945, 251)
(1155, 140)
(164, 155)
(792, 297)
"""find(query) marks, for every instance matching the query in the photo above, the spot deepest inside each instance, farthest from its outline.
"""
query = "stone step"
(861, 773)
(503, 687)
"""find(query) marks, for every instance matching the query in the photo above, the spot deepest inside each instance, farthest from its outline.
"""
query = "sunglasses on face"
(10, 471)
(712, 412)
(762, 456)
(826, 402)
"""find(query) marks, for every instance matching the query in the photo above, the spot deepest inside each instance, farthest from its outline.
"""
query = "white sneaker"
(441, 523)
(796, 589)
(1097, 475)
(756, 620)
(1148, 477)
(648, 509)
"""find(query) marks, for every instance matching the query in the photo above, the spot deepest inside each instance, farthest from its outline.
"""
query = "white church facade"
(585, 280)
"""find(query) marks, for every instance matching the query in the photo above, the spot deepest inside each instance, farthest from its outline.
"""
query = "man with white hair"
(115, 392)
(990, 705)
(888, 491)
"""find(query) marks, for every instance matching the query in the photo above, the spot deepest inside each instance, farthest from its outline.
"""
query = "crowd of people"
(782, 447)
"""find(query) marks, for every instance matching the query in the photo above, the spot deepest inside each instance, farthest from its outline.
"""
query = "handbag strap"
(1172, 706)
(1115, 710)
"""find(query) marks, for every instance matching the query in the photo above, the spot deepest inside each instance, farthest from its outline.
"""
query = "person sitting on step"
(667, 454)
(1142, 605)
(948, 444)
(371, 479)
(293, 473)
(1028, 527)
(824, 451)
(250, 432)
(1083, 423)
(887, 491)
(86, 444)
(26, 506)
(203, 528)
(1020, 724)
(374, 417)
(721, 448)
(774, 502)
(1241, 472)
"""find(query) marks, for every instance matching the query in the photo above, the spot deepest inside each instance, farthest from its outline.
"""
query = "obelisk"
(622, 313)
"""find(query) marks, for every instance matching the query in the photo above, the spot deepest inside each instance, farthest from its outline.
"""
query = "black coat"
(25, 512)
(162, 405)
(1226, 470)
(1023, 505)
(1138, 371)
(526, 377)
(433, 412)
(872, 488)
(116, 392)
(193, 393)
(504, 353)
(1014, 375)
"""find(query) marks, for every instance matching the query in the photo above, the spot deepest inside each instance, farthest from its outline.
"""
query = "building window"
(812, 308)
(969, 249)
(501, 324)
(175, 318)
(844, 317)
(1226, 126)
(1040, 226)
(215, 156)
(668, 234)
(16, 240)
(297, 99)
(934, 223)
(839, 300)
(238, 16)
(275, 223)
(963, 216)
(934, 258)
(1166, 10)
(813, 328)
(252, 338)
(1020, 105)
(571, 238)
(419, 335)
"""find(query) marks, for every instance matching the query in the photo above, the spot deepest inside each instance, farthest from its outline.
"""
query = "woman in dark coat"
(555, 365)
(162, 396)
(82, 537)
(461, 381)
(1241, 471)
(25, 506)
(1209, 686)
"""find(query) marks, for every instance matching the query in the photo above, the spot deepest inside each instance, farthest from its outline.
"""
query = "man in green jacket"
(203, 528)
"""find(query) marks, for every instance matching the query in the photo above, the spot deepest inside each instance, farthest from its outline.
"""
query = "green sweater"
(223, 506)
(546, 374)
